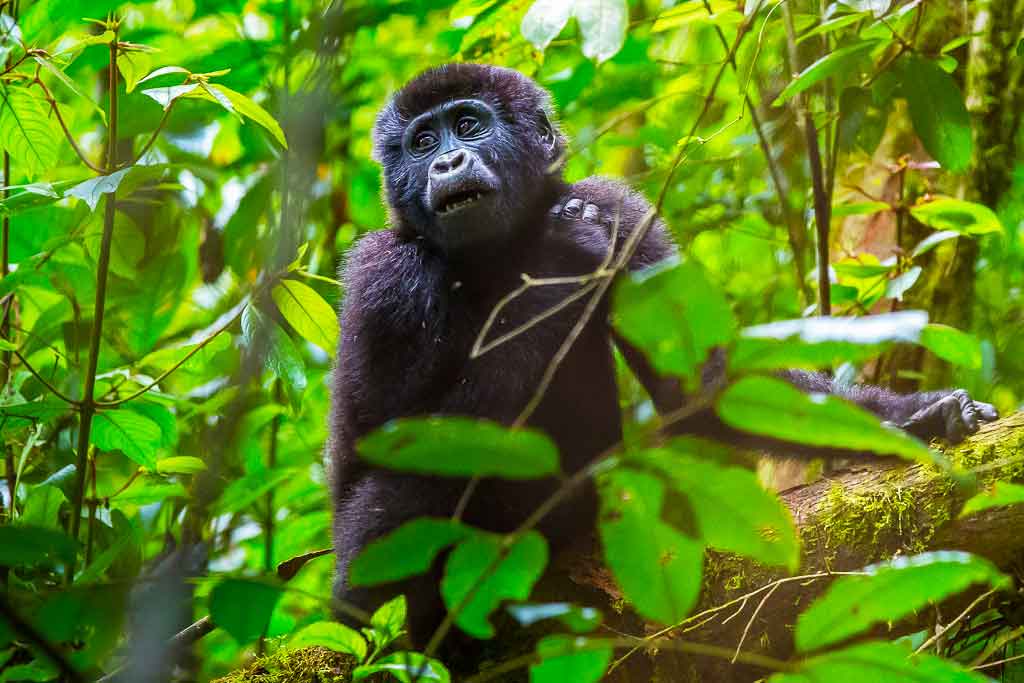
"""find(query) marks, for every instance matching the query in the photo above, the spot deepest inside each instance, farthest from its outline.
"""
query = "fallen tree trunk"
(846, 520)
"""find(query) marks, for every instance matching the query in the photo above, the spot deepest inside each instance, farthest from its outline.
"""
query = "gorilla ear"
(546, 131)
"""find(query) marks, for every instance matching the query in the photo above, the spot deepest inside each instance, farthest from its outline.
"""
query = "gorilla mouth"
(458, 201)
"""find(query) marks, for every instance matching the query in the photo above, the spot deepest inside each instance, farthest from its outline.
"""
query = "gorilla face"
(466, 152)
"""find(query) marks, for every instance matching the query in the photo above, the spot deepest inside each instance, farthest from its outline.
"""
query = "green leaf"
(688, 12)
(307, 312)
(950, 344)
(842, 60)
(180, 464)
(91, 190)
(249, 109)
(26, 546)
(469, 569)
(957, 215)
(133, 65)
(42, 506)
(331, 635)
(389, 619)
(460, 447)
(932, 241)
(164, 71)
(568, 658)
(889, 592)
(166, 95)
(674, 314)
(124, 430)
(1020, 48)
(407, 551)
(833, 24)
(773, 408)
(875, 662)
(48, 64)
(577, 619)
(859, 208)
(544, 21)
(657, 567)
(938, 112)
(822, 341)
(243, 608)
(603, 25)
(282, 357)
(469, 8)
(733, 511)
(407, 667)
(898, 286)
(27, 133)
(1001, 493)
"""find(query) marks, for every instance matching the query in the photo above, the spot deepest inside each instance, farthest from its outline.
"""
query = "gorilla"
(470, 156)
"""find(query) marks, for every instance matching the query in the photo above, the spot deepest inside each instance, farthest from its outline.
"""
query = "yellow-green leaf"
(307, 312)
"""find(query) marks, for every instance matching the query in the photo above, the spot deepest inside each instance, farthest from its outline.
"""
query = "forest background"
(184, 177)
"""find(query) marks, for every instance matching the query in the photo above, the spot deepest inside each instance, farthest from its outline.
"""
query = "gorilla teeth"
(466, 201)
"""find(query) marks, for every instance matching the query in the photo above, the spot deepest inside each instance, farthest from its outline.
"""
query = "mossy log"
(847, 519)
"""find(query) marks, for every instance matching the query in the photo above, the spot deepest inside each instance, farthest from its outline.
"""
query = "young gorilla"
(468, 152)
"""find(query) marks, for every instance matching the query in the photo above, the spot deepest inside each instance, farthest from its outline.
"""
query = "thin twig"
(941, 630)
(64, 126)
(750, 622)
(42, 380)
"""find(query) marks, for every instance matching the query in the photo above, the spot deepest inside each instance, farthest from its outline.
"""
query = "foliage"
(183, 178)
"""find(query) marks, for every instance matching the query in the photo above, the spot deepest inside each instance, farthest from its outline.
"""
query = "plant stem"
(268, 534)
(88, 403)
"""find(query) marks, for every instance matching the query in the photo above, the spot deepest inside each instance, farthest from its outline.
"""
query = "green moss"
(306, 665)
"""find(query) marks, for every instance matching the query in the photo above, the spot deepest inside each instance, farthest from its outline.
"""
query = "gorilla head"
(467, 152)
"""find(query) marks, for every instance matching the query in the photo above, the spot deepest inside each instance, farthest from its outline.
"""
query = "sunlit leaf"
(93, 189)
(657, 567)
(674, 314)
(481, 573)
(949, 343)
(545, 20)
(124, 430)
(842, 60)
(773, 408)
(250, 110)
(461, 447)
(890, 591)
(165, 95)
(406, 667)
(307, 312)
(26, 132)
(957, 215)
(133, 65)
(932, 241)
(180, 464)
(999, 494)
(568, 658)
(331, 635)
(407, 551)
(603, 25)
(876, 661)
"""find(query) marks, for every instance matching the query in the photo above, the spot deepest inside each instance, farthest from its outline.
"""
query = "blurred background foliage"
(226, 244)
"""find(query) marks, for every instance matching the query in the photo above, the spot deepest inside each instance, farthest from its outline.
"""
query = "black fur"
(417, 296)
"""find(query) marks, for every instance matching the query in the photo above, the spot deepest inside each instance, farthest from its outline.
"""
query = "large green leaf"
(733, 511)
(603, 25)
(127, 431)
(773, 408)
(889, 592)
(243, 608)
(407, 551)
(250, 110)
(842, 60)
(999, 494)
(545, 20)
(474, 592)
(938, 112)
(949, 343)
(27, 133)
(282, 357)
(93, 189)
(570, 658)
(674, 314)
(957, 215)
(875, 662)
(306, 311)
(333, 636)
(657, 567)
(460, 447)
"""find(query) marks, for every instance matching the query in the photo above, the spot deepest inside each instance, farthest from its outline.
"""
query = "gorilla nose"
(448, 163)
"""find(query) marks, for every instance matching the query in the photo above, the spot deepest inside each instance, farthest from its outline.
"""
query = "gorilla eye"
(466, 126)
(424, 141)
